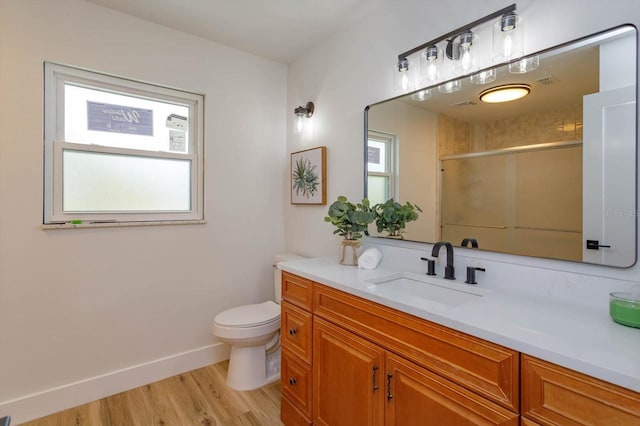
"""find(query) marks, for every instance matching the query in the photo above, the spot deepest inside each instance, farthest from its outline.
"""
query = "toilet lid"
(249, 315)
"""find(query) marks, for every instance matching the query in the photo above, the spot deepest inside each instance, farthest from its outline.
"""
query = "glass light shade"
(450, 86)
(524, 65)
(484, 77)
(505, 93)
(404, 76)
(298, 125)
(466, 61)
(430, 65)
(421, 95)
(508, 38)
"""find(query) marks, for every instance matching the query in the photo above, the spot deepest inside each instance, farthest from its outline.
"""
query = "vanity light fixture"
(508, 38)
(459, 48)
(303, 113)
(505, 93)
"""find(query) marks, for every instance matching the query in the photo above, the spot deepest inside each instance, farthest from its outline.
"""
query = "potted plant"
(391, 216)
(350, 220)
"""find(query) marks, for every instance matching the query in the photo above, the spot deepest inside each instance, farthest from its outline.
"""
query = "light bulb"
(507, 44)
(404, 81)
(299, 123)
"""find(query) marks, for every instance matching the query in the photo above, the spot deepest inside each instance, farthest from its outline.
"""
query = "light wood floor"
(199, 397)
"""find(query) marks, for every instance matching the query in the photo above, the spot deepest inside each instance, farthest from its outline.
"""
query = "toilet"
(253, 332)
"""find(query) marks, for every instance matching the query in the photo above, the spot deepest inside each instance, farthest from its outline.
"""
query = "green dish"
(624, 308)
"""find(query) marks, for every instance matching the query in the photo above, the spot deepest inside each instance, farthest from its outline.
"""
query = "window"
(121, 151)
(380, 167)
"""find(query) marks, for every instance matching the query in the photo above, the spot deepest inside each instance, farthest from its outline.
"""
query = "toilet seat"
(249, 315)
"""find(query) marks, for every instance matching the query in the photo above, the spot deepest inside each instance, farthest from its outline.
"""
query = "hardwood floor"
(199, 397)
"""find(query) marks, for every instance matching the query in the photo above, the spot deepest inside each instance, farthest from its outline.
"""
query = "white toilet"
(253, 333)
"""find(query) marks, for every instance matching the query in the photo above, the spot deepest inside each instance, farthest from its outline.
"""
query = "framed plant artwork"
(309, 176)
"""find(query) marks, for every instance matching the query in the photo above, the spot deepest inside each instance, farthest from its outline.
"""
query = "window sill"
(99, 224)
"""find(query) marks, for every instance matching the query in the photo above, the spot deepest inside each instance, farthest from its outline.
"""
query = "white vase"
(349, 252)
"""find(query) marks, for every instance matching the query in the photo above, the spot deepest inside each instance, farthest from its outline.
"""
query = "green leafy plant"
(393, 217)
(305, 178)
(350, 220)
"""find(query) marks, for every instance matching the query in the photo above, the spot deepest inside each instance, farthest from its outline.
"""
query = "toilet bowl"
(253, 332)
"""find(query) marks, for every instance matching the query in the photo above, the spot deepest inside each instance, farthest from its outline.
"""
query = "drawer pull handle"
(389, 396)
(292, 331)
(292, 381)
(374, 386)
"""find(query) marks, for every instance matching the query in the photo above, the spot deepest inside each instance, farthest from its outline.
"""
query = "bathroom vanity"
(356, 353)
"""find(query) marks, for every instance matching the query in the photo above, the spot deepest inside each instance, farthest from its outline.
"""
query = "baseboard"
(30, 407)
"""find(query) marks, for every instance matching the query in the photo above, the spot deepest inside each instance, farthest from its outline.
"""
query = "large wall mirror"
(550, 175)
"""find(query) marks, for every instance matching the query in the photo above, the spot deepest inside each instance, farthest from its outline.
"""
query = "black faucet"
(467, 241)
(449, 270)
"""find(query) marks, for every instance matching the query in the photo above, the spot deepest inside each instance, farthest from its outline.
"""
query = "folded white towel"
(370, 258)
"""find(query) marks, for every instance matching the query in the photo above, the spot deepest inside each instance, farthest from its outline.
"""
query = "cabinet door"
(554, 395)
(416, 396)
(347, 378)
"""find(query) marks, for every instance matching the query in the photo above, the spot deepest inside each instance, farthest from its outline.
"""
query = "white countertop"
(574, 336)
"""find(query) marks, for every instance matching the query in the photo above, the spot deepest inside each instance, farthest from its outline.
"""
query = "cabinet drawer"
(483, 367)
(290, 416)
(296, 382)
(553, 395)
(296, 331)
(297, 290)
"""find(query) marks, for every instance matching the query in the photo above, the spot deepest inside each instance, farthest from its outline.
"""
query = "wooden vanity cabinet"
(368, 362)
(554, 395)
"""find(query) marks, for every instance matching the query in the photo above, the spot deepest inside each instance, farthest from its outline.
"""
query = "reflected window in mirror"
(380, 166)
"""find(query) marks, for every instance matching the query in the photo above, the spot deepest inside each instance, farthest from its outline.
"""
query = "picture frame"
(308, 175)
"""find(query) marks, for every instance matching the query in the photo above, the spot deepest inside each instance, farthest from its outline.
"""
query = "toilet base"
(252, 367)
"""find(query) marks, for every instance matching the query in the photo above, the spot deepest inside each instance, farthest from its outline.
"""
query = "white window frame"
(56, 76)
(390, 142)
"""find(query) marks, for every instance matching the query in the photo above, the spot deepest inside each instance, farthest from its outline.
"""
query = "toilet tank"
(277, 274)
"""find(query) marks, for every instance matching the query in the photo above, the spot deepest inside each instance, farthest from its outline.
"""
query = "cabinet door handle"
(389, 396)
(374, 386)
(292, 381)
(292, 331)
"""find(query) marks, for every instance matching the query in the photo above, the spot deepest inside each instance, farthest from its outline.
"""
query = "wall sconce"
(505, 93)
(303, 113)
(508, 38)
(460, 50)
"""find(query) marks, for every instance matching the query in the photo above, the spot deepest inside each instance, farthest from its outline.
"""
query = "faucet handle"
(431, 265)
(471, 274)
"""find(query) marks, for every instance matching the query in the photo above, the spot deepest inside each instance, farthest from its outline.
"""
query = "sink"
(415, 288)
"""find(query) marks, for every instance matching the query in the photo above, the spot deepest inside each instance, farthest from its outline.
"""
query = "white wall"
(133, 304)
(355, 68)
